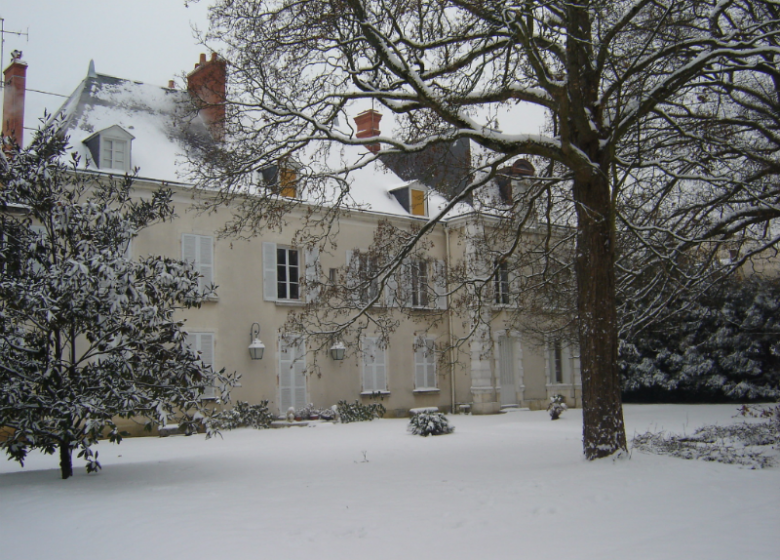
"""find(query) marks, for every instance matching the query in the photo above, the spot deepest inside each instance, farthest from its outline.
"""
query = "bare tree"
(654, 140)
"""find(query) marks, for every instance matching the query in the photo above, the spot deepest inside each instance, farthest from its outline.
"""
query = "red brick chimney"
(207, 87)
(368, 126)
(13, 103)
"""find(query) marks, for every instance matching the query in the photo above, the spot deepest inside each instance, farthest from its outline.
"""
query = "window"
(292, 373)
(287, 273)
(113, 154)
(111, 148)
(501, 283)
(283, 270)
(199, 250)
(374, 367)
(203, 344)
(425, 364)
(419, 283)
(556, 364)
(362, 276)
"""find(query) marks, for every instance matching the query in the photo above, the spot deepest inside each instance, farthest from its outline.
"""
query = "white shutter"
(292, 374)
(374, 367)
(352, 279)
(203, 345)
(312, 258)
(189, 249)
(430, 362)
(391, 290)
(269, 272)
(440, 284)
(425, 366)
(206, 260)
(405, 284)
(299, 374)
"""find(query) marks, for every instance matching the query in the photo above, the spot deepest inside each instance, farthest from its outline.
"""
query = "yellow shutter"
(418, 203)
(287, 180)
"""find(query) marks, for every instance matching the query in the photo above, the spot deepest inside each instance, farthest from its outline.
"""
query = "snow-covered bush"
(359, 412)
(429, 424)
(308, 412)
(556, 407)
(243, 415)
(87, 334)
(748, 444)
(328, 414)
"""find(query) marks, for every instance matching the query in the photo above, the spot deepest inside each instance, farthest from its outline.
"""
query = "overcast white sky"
(148, 41)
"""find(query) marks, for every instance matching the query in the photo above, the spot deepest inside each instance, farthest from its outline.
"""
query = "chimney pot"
(368, 126)
(202, 58)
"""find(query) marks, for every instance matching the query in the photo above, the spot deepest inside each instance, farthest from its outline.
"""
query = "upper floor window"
(290, 273)
(287, 273)
(413, 199)
(199, 250)
(362, 276)
(111, 149)
(501, 283)
(419, 283)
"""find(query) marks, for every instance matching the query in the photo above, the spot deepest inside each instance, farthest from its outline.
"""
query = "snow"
(504, 484)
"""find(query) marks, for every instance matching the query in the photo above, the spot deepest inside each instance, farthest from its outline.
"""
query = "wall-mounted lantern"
(337, 350)
(256, 346)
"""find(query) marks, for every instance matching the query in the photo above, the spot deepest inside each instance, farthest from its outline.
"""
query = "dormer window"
(282, 179)
(414, 198)
(111, 149)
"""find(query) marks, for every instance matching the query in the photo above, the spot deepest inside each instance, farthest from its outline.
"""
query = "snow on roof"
(148, 113)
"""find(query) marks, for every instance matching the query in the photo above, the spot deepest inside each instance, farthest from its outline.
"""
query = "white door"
(292, 374)
(506, 365)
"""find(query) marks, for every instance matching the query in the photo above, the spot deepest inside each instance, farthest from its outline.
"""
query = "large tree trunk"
(602, 411)
(66, 461)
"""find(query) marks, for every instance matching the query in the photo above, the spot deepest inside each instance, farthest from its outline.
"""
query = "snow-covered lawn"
(510, 486)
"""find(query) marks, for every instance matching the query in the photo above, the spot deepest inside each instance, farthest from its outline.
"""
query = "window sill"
(426, 390)
(289, 302)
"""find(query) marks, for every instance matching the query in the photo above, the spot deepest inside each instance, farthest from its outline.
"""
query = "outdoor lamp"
(337, 351)
(256, 346)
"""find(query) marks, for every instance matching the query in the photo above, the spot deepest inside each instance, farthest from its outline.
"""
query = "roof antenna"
(2, 42)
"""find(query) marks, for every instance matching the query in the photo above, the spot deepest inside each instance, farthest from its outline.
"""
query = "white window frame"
(202, 343)
(298, 397)
(425, 365)
(374, 370)
(108, 153)
(361, 266)
(284, 272)
(199, 250)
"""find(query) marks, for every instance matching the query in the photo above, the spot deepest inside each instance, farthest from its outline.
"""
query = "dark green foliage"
(358, 412)
(243, 415)
(430, 424)
(723, 345)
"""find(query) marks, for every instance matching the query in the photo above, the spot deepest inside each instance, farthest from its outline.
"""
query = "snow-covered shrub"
(748, 444)
(429, 424)
(327, 414)
(243, 415)
(556, 407)
(359, 412)
(308, 412)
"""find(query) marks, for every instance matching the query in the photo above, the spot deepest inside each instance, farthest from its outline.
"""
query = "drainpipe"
(451, 349)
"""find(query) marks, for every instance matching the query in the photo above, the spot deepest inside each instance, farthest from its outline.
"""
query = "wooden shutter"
(269, 272)
(418, 202)
(203, 345)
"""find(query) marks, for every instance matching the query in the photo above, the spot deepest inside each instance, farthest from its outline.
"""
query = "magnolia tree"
(661, 145)
(88, 335)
